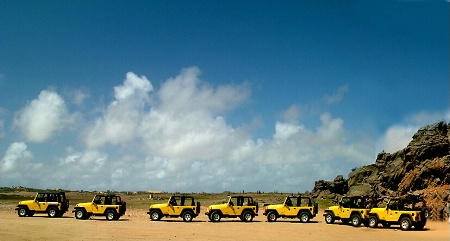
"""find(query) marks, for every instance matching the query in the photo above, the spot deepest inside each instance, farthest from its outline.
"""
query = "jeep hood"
(218, 206)
(84, 204)
(26, 202)
(377, 210)
(333, 208)
(162, 205)
(274, 206)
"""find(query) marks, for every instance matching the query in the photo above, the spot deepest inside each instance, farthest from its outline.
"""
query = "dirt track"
(135, 225)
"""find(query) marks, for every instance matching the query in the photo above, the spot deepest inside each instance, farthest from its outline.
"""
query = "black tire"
(111, 215)
(424, 213)
(155, 215)
(215, 216)
(271, 216)
(419, 225)
(22, 212)
(329, 218)
(80, 214)
(386, 225)
(304, 217)
(373, 222)
(405, 223)
(247, 216)
(52, 212)
(188, 216)
(356, 220)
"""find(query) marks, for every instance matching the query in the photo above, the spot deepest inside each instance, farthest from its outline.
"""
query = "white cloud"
(42, 117)
(397, 137)
(119, 121)
(17, 161)
(176, 138)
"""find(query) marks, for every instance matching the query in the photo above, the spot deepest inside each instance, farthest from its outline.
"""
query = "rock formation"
(422, 168)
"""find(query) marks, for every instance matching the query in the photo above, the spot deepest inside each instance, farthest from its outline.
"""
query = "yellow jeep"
(406, 212)
(55, 204)
(108, 205)
(292, 207)
(351, 208)
(242, 207)
(177, 206)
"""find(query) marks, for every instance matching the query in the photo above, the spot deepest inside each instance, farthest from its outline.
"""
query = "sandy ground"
(135, 225)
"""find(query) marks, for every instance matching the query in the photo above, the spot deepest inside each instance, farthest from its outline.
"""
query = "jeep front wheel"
(405, 223)
(52, 212)
(329, 219)
(155, 215)
(271, 216)
(215, 216)
(22, 212)
(373, 222)
(188, 216)
(247, 216)
(304, 217)
(110, 215)
(79, 214)
(356, 220)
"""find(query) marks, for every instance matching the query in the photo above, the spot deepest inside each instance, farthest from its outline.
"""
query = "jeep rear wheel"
(188, 216)
(373, 222)
(329, 219)
(52, 212)
(215, 216)
(111, 215)
(271, 216)
(22, 212)
(405, 223)
(155, 215)
(79, 214)
(356, 220)
(247, 216)
(419, 225)
(304, 217)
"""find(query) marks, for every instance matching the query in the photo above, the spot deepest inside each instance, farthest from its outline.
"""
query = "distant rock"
(423, 168)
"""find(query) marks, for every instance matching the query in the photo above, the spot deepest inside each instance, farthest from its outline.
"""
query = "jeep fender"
(188, 210)
(52, 206)
(249, 209)
(305, 210)
(274, 211)
(106, 210)
(405, 215)
(329, 211)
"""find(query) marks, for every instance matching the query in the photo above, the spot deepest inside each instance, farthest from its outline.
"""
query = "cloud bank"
(177, 138)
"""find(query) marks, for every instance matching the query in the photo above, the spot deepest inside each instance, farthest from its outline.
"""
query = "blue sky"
(213, 95)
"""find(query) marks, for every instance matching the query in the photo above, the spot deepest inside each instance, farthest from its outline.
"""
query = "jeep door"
(290, 207)
(230, 209)
(174, 206)
(40, 203)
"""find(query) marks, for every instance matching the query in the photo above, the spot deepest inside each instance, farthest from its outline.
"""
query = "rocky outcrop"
(423, 168)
